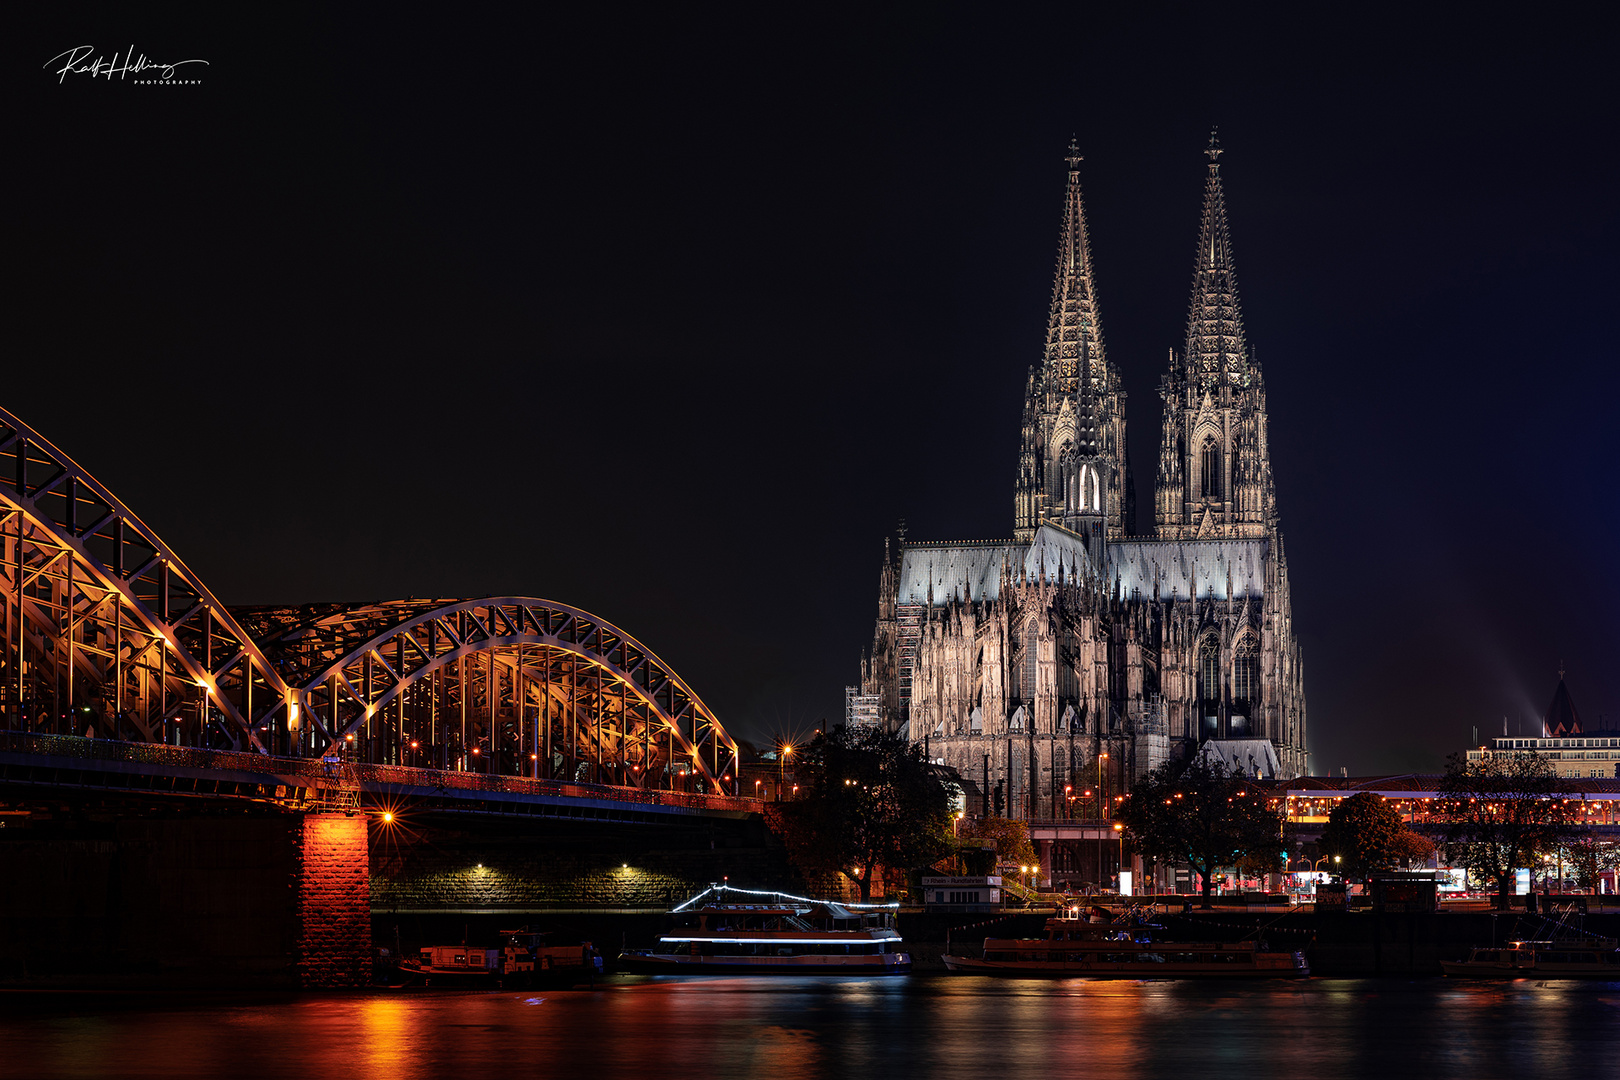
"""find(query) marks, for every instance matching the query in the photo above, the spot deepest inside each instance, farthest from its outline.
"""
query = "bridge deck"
(65, 761)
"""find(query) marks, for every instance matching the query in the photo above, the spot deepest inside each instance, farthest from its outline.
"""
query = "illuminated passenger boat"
(781, 935)
(1588, 958)
(1075, 948)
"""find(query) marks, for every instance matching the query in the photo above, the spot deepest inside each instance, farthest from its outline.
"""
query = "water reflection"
(941, 1027)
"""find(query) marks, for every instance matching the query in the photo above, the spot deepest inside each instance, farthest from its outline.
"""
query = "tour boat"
(1115, 949)
(1588, 958)
(773, 934)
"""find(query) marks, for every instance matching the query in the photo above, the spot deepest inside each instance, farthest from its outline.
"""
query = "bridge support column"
(334, 902)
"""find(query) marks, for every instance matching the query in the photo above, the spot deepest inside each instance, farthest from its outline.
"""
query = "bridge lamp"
(388, 817)
(415, 745)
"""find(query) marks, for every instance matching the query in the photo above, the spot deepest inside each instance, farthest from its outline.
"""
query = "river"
(937, 1026)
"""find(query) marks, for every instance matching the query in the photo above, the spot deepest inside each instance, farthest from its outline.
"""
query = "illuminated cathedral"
(1055, 667)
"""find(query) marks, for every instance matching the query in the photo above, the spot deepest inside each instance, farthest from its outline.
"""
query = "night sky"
(673, 316)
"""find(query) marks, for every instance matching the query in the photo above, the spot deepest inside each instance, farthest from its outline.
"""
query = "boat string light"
(786, 896)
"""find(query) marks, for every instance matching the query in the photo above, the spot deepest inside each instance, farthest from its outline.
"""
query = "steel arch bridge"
(109, 634)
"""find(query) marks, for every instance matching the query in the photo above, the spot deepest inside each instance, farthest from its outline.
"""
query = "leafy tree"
(868, 801)
(1011, 838)
(1589, 859)
(1200, 814)
(1362, 832)
(1411, 847)
(1502, 812)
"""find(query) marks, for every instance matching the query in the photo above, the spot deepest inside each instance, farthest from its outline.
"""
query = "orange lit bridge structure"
(120, 669)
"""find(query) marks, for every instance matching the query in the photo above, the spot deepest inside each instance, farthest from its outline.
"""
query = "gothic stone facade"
(1074, 656)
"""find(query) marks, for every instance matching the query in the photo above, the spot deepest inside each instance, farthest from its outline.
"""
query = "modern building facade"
(1078, 654)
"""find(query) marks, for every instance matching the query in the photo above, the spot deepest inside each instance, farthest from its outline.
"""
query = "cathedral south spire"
(1072, 468)
(1215, 345)
(1214, 478)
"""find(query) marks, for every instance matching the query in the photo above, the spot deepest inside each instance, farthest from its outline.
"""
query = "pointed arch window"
(1209, 467)
(1246, 671)
(1031, 653)
(1209, 669)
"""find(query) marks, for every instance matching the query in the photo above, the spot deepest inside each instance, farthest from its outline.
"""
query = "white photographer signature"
(77, 62)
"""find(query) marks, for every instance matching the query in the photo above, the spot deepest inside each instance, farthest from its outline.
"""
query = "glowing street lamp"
(781, 765)
(1119, 831)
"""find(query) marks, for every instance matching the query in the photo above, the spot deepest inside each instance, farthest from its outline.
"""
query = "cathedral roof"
(973, 569)
(1215, 342)
(1561, 717)
(1189, 569)
(1253, 758)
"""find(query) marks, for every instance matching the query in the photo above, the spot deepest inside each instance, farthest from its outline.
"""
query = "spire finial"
(1560, 671)
(1214, 148)
(1074, 156)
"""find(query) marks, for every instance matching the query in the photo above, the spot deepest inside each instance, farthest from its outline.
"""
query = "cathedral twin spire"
(1071, 469)
(1214, 477)
(1073, 334)
(1215, 344)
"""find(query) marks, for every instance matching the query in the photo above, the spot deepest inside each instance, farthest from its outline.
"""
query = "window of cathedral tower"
(1246, 671)
(1209, 668)
(1209, 468)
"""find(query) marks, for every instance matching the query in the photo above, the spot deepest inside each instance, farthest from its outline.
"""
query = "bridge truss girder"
(105, 629)
(517, 685)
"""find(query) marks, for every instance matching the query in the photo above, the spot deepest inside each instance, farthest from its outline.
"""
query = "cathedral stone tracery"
(1076, 656)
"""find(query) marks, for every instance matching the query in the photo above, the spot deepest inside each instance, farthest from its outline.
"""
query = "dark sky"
(672, 316)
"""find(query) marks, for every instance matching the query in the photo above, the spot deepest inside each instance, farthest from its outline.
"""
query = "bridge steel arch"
(106, 630)
(107, 633)
(511, 684)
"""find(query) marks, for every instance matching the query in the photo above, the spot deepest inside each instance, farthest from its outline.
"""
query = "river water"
(937, 1026)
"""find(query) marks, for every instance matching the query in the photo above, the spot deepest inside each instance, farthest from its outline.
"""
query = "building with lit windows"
(1573, 752)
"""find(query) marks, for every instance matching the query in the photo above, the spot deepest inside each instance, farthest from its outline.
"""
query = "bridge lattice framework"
(108, 633)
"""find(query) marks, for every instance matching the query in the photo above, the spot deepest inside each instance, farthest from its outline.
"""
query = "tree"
(1200, 814)
(1368, 834)
(1502, 811)
(869, 801)
(1589, 859)
(1362, 831)
(1011, 838)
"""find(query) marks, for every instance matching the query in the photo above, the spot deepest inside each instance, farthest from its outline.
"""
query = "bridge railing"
(368, 777)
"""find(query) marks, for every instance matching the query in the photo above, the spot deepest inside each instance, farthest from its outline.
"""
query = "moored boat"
(525, 959)
(773, 934)
(1582, 958)
(1125, 948)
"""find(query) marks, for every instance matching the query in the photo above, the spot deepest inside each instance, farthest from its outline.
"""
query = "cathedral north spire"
(1072, 467)
(1072, 328)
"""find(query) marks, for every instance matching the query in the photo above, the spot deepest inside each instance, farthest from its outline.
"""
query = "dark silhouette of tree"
(869, 801)
(1502, 812)
(1367, 834)
(1199, 814)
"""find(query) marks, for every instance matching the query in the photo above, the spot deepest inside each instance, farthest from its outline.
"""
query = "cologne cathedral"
(1053, 668)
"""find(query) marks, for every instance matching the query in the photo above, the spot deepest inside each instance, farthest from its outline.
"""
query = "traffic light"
(1001, 798)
